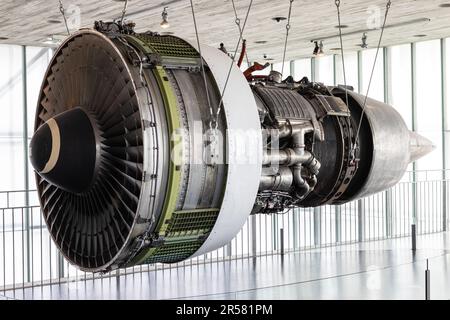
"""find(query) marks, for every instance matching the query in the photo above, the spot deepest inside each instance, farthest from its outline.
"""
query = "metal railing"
(29, 258)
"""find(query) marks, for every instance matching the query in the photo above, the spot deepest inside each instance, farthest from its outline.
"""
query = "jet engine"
(150, 149)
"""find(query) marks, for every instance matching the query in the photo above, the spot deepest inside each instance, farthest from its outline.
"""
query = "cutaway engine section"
(147, 151)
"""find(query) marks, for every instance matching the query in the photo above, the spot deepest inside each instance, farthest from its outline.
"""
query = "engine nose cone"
(64, 151)
(419, 146)
(41, 147)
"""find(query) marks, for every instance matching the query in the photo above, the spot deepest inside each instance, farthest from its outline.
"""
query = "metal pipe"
(302, 187)
(25, 149)
(282, 241)
(289, 156)
(281, 181)
(427, 283)
(243, 51)
(297, 158)
(286, 157)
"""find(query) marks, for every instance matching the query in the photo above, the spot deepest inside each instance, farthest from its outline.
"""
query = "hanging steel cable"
(63, 13)
(338, 7)
(124, 11)
(388, 6)
(232, 61)
(238, 23)
(202, 65)
(288, 27)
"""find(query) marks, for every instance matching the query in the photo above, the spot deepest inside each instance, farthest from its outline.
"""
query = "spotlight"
(364, 44)
(54, 21)
(279, 19)
(54, 40)
(318, 49)
(223, 49)
(165, 23)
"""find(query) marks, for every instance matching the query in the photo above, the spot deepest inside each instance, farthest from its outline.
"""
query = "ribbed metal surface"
(284, 104)
(192, 222)
(90, 228)
(168, 46)
(174, 252)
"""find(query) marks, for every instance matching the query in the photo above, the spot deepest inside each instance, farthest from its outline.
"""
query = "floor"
(375, 270)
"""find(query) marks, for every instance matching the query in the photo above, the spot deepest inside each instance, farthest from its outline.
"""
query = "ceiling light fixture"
(395, 25)
(318, 49)
(364, 44)
(4, 38)
(54, 40)
(278, 19)
(54, 21)
(165, 22)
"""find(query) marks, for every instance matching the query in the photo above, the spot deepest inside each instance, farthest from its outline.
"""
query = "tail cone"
(419, 146)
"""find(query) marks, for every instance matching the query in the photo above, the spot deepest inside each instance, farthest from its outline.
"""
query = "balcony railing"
(29, 258)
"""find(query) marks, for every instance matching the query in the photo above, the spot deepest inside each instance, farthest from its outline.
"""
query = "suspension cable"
(338, 7)
(388, 6)
(238, 23)
(63, 13)
(202, 66)
(124, 12)
(288, 27)
(232, 63)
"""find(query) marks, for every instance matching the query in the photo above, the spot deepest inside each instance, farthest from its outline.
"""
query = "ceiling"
(31, 22)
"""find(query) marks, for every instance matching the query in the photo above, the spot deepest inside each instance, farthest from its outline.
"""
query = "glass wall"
(428, 95)
(302, 68)
(446, 96)
(324, 70)
(376, 89)
(37, 62)
(400, 81)
(11, 121)
(286, 71)
(17, 121)
(351, 70)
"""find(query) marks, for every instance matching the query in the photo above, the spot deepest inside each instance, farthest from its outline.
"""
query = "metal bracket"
(333, 106)
(148, 124)
(153, 60)
(148, 176)
(157, 242)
